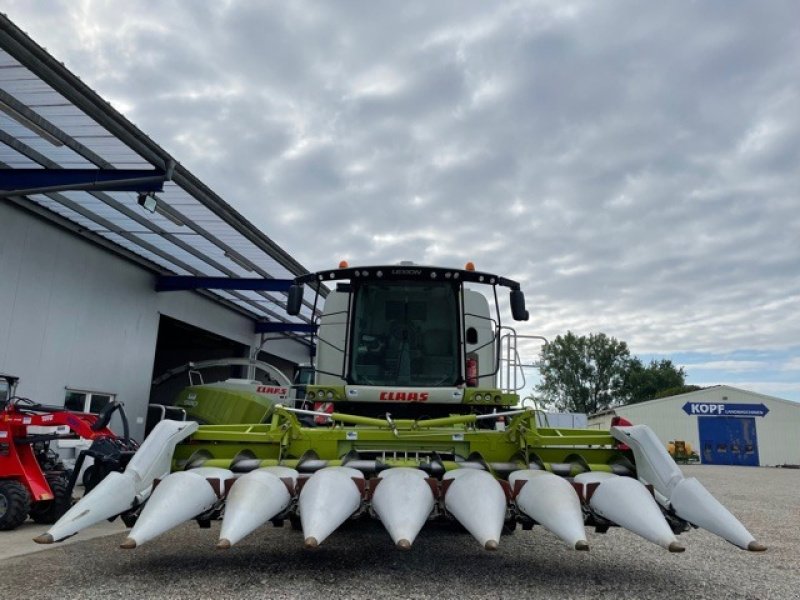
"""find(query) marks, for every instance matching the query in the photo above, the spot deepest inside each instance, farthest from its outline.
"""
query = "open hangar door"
(179, 343)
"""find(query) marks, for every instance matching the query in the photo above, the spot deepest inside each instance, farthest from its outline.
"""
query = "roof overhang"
(67, 155)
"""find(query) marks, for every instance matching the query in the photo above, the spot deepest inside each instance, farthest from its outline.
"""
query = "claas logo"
(392, 396)
(265, 389)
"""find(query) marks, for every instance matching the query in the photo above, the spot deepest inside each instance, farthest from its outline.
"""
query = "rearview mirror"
(295, 300)
(518, 311)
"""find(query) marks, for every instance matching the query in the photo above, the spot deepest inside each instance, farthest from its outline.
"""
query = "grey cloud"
(635, 166)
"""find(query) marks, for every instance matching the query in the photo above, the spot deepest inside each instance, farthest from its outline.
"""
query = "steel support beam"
(174, 283)
(41, 181)
(272, 327)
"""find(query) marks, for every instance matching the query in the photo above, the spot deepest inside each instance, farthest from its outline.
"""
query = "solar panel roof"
(51, 121)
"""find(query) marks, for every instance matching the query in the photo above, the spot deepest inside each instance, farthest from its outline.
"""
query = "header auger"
(406, 422)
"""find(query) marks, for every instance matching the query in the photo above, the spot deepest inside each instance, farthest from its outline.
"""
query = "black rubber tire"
(509, 526)
(15, 502)
(88, 476)
(93, 475)
(50, 511)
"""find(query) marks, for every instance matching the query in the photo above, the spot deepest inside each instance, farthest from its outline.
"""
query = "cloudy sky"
(635, 165)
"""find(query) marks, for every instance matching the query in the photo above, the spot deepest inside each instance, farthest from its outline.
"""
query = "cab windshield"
(5, 392)
(405, 334)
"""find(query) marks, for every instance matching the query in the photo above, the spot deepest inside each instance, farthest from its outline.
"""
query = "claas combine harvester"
(406, 422)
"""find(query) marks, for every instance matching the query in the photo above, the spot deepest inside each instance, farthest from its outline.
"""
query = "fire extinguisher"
(472, 370)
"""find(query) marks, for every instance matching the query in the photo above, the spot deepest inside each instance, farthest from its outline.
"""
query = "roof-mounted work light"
(150, 202)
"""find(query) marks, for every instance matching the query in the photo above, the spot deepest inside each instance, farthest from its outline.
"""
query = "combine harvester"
(406, 422)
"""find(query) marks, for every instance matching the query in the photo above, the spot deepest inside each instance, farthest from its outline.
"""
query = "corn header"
(406, 422)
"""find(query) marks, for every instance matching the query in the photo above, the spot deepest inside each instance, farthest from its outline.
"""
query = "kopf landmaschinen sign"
(723, 409)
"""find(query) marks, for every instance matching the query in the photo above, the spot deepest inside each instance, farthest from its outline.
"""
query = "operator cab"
(408, 339)
(8, 387)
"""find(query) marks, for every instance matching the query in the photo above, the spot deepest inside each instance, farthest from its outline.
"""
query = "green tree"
(583, 374)
(647, 382)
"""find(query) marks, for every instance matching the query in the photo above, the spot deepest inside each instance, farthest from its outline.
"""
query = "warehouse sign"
(719, 409)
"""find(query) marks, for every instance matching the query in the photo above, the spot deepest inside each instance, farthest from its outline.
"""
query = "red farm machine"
(33, 480)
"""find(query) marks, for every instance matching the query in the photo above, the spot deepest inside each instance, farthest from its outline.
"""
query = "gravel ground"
(360, 562)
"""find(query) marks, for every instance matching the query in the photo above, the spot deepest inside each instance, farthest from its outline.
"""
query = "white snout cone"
(179, 497)
(119, 492)
(112, 496)
(694, 503)
(553, 503)
(326, 501)
(403, 501)
(478, 502)
(626, 502)
(254, 499)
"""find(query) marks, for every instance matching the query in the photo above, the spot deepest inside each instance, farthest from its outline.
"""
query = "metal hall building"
(100, 231)
(725, 425)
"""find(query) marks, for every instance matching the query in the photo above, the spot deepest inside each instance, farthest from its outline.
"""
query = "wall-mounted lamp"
(239, 261)
(150, 202)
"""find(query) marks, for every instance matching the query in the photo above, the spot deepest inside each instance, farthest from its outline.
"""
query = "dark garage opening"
(180, 343)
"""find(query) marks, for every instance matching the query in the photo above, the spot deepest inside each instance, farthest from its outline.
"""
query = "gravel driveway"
(360, 562)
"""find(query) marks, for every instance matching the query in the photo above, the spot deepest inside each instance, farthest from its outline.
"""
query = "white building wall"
(289, 349)
(664, 416)
(778, 432)
(74, 315)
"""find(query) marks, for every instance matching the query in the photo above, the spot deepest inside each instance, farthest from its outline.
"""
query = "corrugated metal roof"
(66, 125)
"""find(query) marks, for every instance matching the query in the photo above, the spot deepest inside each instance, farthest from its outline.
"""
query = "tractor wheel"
(509, 526)
(50, 511)
(14, 504)
(94, 475)
(294, 521)
(87, 478)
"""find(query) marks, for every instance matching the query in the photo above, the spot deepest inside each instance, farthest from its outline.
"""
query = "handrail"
(514, 366)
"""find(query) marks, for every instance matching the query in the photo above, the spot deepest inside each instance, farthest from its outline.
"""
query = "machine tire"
(50, 511)
(14, 504)
(93, 476)
(88, 476)
(509, 526)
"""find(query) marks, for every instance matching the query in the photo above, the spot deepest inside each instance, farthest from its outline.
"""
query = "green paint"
(284, 441)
